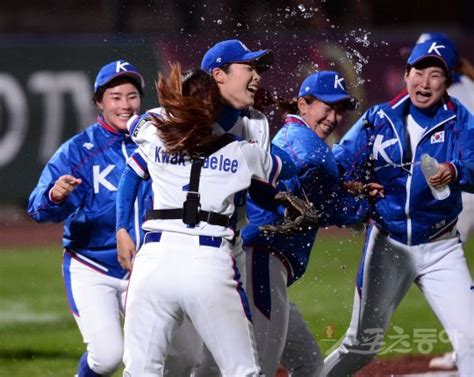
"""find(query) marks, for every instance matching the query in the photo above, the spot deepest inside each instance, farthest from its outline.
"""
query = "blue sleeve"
(288, 168)
(263, 194)
(353, 151)
(322, 185)
(463, 151)
(126, 194)
(40, 207)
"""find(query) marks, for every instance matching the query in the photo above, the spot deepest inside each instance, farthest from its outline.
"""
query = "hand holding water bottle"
(437, 176)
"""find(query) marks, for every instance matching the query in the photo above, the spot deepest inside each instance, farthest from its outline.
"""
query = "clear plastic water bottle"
(430, 166)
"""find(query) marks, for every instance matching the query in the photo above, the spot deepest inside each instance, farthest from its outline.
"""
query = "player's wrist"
(452, 170)
(54, 199)
(121, 230)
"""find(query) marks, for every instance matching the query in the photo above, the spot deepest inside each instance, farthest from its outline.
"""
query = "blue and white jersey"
(318, 176)
(251, 125)
(225, 173)
(97, 156)
(377, 149)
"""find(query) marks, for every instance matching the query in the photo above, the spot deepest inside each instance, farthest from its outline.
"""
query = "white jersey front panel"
(224, 173)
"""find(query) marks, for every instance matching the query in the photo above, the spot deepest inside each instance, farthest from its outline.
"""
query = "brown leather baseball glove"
(300, 215)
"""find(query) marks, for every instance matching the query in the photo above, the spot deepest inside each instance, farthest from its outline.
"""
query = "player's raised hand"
(126, 249)
(374, 190)
(63, 187)
(444, 175)
(371, 190)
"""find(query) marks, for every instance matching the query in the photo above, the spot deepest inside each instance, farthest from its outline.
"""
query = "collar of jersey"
(296, 119)
(227, 118)
(103, 123)
(424, 117)
(401, 106)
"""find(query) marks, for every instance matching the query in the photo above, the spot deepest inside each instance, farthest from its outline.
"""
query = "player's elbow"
(35, 215)
(42, 216)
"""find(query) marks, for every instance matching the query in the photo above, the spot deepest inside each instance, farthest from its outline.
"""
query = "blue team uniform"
(413, 236)
(318, 176)
(376, 149)
(98, 156)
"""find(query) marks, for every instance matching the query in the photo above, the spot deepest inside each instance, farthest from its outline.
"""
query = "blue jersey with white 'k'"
(377, 149)
(97, 156)
(318, 176)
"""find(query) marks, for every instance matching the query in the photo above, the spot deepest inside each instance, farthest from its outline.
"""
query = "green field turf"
(325, 294)
(38, 336)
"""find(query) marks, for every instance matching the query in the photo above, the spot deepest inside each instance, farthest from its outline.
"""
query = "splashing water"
(393, 165)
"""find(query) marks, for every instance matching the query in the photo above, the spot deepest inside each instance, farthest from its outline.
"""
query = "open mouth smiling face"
(426, 86)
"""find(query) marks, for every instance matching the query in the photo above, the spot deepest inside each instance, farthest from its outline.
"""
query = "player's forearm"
(42, 209)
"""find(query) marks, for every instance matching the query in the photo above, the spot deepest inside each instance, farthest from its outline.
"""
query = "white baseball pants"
(386, 273)
(95, 299)
(179, 276)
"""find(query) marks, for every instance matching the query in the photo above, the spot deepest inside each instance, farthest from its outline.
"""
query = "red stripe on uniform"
(398, 97)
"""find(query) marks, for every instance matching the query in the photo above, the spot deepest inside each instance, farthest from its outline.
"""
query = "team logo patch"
(437, 137)
(139, 125)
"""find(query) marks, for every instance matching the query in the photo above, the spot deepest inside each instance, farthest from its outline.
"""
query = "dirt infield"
(405, 365)
(19, 230)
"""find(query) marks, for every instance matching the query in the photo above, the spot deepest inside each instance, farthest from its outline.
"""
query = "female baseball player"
(413, 237)
(238, 72)
(78, 186)
(186, 267)
(274, 262)
(462, 88)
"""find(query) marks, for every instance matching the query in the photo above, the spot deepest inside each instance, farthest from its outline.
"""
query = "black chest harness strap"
(191, 213)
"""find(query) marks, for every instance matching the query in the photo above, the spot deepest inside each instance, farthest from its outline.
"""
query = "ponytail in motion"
(191, 103)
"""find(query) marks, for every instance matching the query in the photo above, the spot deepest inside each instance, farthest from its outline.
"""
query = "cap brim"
(348, 101)
(262, 58)
(431, 56)
(133, 75)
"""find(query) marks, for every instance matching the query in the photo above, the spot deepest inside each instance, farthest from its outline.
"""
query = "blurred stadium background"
(50, 51)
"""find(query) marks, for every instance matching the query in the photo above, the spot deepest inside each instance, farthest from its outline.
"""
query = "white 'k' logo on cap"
(120, 66)
(244, 46)
(338, 82)
(434, 47)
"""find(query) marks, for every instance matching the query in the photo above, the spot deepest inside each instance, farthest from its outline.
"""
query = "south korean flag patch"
(437, 137)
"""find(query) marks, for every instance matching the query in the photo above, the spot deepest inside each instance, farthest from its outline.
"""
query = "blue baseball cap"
(453, 59)
(328, 87)
(119, 68)
(434, 49)
(234, 51)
